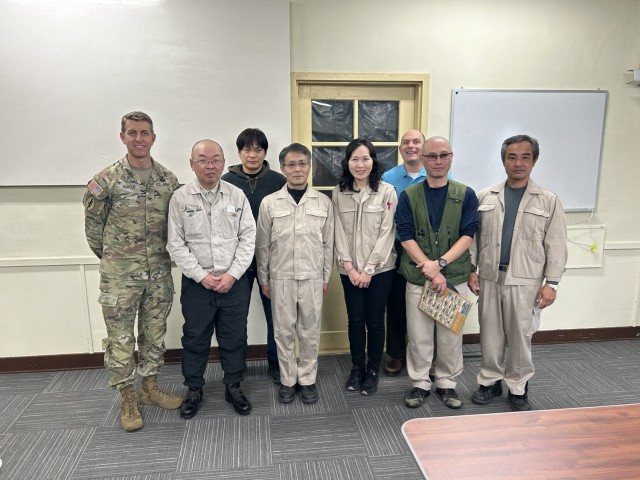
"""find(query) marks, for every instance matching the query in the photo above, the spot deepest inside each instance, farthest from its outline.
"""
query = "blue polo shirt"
(399, 178)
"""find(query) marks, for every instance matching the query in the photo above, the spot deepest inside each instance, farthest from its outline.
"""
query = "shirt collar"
(421, 173)
(205, 192)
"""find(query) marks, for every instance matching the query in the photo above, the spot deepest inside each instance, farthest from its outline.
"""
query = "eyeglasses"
(301, 164)
(442, 156)
(202, 162)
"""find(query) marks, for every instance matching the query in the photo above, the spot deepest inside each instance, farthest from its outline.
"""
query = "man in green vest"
(436, 220)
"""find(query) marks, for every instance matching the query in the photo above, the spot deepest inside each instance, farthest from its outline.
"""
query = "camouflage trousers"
(122, 301)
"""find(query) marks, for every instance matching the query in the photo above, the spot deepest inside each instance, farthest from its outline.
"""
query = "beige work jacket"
(220, 241)
(365, 230)
(539, 244)
(294, 241)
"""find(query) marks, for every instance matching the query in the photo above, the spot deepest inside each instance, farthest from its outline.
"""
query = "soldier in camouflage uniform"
(126, 207)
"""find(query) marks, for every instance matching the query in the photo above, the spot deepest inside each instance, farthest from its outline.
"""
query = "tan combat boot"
(130, 418)
(150, 394)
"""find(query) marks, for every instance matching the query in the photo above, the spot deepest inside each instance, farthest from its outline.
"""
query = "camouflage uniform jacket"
(126, 221)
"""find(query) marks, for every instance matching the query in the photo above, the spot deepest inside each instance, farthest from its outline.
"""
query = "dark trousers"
(365, 309)
(205, 311)
(397, 314)
(272, 352)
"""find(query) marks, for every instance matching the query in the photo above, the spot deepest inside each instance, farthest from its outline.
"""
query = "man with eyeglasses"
(436, 221)
(294, 252)
(410, 172)
(212, 239)
(256, 179)
(521, 255)
(126, 208)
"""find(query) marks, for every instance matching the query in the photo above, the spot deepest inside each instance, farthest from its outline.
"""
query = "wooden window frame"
(418, 80)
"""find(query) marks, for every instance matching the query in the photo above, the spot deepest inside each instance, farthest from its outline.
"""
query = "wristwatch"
(442, 262)
(553, 286)
(369, 271)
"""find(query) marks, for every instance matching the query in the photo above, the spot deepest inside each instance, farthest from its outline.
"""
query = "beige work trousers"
(421, 330)
(297, 312)
(508, 319)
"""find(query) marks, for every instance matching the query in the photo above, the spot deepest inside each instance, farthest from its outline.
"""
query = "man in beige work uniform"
(522, 252)
(126, 207)
(294, 252)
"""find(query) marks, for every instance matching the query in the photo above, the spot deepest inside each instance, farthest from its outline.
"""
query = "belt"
(502, 267)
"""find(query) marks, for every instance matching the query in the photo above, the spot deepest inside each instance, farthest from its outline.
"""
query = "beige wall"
(48, 277)
(516, 44)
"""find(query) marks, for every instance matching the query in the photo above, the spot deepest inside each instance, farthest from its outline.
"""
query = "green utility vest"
(436, 244)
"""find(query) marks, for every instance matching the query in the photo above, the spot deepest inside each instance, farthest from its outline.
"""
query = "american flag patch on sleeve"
(95, 188)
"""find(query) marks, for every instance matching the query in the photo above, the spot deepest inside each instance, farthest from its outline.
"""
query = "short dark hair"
(535, 146)
(294, 148)
(136, 117)
(250, 137)
(377, 169)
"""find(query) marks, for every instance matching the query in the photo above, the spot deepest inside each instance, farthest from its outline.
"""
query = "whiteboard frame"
(479, 147)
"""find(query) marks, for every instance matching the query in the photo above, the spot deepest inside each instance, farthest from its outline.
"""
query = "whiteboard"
(568, 124)
(200, 69)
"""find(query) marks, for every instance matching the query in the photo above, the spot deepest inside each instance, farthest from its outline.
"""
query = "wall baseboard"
(574, 336)
(81, 361)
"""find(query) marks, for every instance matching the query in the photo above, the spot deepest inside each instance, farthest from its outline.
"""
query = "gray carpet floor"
(64, 425)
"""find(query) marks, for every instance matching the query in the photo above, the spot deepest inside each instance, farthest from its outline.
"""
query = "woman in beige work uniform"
(364, 207)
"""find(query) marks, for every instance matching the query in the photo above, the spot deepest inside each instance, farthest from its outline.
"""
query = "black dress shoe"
(191, 403)
(233, 394)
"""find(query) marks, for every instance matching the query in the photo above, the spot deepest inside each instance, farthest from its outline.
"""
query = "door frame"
(333, 335)
(420, 81)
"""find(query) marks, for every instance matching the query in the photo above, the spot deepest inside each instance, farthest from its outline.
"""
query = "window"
(329, 110)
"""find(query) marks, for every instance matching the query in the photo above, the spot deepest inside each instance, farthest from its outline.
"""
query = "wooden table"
(574, 443)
